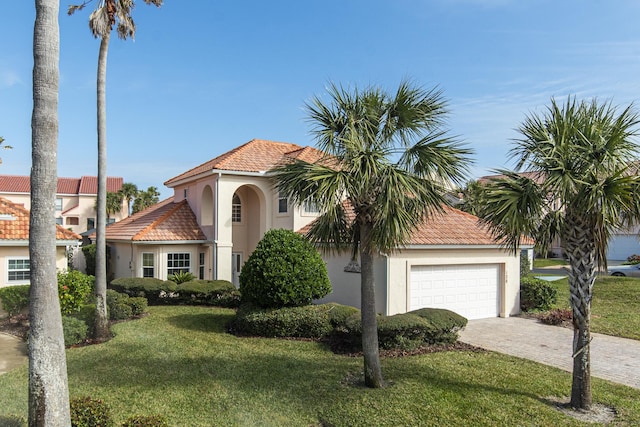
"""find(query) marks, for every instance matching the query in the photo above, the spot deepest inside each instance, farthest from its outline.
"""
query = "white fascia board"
(215, 172)
(14, 242)
(162, 242)
(451, 247)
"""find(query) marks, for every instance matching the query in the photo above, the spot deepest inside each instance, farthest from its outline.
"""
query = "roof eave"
(213, 172)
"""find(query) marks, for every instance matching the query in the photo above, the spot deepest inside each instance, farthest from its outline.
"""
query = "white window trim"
(279, 198)
(142, 264)
(19, 281)
(176, 269)
(241, 205)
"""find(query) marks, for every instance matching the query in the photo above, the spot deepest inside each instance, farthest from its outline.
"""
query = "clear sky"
(203, 77)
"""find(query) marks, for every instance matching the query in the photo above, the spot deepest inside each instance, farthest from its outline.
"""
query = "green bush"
(75, 330)
(156, 291)
(89, 252)
(181, 277)
(338, 313)
(138, 305)
(74, 289)
(285, 270)
(89, 412)
(86, 313)
(14, 299)
(525, 265)
(208, 292)
(536, 294)
(445, 324)
(406, 331)
(146, 421)
(311, 321)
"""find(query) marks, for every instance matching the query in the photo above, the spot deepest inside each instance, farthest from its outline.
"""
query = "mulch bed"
(17, 326)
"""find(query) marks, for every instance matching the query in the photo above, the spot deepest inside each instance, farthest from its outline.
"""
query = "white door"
(236, 266)
(469, 290)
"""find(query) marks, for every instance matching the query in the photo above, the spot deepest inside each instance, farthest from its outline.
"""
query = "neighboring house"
(14, 244)
(75, 199)
(221, 209)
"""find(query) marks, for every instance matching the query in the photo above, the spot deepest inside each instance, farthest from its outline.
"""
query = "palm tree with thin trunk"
(585, 154)
(129, 192)
(145, 199)
(101, 21)
(48, 387)
(386, 165)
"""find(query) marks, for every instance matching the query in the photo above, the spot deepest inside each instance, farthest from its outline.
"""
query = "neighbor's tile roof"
(165, 221)
(451, 227)
(83, 185)
(17, 228)
(256, 155)
(537, 177)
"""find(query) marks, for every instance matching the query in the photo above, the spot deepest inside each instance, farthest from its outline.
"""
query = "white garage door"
(469, 290)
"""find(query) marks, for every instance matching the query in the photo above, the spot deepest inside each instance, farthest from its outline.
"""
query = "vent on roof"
(7, 217)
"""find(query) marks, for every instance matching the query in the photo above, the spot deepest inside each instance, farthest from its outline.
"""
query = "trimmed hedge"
(220, 293)
(14, 299)
(406, 331)
(146, 421)
(90, 412)
(536, 294)
(311, 321)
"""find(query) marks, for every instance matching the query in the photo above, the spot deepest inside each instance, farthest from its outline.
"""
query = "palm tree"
(585, 153)
(129, 192)
(387, 157)
(48, 387)
(146, 198)
(4, 147)
(101, 21)
(113, 205)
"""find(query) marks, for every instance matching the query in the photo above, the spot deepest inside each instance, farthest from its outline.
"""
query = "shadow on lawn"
(205, 322)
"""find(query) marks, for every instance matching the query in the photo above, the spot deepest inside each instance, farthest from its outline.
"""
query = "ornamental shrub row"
(342, 326)
(194, 292)
(14, 299)
(536, 294)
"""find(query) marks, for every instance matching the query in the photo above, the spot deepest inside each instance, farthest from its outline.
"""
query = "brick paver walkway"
(614, 359)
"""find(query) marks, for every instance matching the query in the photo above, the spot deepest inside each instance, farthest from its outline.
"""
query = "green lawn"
(548, 262)
(178, 361)
(615, 309)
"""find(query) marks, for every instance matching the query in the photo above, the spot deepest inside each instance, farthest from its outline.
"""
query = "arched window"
(236, 209)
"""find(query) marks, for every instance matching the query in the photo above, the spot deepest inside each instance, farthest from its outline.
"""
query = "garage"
(469, 290)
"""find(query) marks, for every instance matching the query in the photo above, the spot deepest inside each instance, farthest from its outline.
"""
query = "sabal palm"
(101, 21)
(129, 192)
(389, 159)
(584, 153)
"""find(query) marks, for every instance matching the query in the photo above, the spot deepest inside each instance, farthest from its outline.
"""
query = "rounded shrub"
(285, 270)
(74, 289)
(445, 324)
(75, 330)
(536, 294)
(310, 321)
(146, 421)
(90, 412)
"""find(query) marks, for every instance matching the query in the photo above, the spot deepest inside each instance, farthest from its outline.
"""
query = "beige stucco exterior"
(392, 276)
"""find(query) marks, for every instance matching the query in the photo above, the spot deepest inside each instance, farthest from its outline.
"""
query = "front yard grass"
(615, 309)
(549, 262)
(179, 362)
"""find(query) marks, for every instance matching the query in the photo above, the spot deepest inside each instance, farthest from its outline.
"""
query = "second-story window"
(283, 203)
(58, 203)
(236, 209)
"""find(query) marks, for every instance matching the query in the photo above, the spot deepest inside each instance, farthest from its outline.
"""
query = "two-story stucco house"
(221, 209)
(75, 199)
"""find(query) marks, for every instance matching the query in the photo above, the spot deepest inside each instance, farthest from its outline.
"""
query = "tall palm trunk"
(581, 249)
(372, 370)
(102, 332)
(48, 387)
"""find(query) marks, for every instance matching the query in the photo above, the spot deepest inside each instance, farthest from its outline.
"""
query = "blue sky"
(203, 77)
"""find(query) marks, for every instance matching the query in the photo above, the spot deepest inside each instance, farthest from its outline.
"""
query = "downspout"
(215, 228)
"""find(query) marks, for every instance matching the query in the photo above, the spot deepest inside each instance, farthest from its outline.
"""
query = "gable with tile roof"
(221, 209)
(14, 244)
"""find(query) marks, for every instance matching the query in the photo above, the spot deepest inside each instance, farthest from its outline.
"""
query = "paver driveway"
(614, 359)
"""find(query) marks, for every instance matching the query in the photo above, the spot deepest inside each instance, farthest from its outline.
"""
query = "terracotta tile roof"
(165, 221)
(84, 185)
(452, 227)
(256, 155)
(17, 228)
(537, 177)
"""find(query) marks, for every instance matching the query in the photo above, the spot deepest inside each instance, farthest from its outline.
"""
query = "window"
(58, 203)
(185, 193)
(310, 207)
(201, 269)
(236, 209)
(148, 265)
(19, 269)
(283, 203)
(178, 262)
(59, 220)
(110, 220)
(91, 223)
(72, 220)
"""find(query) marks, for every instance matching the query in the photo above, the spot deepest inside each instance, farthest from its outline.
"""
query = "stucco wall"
(400, 264)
